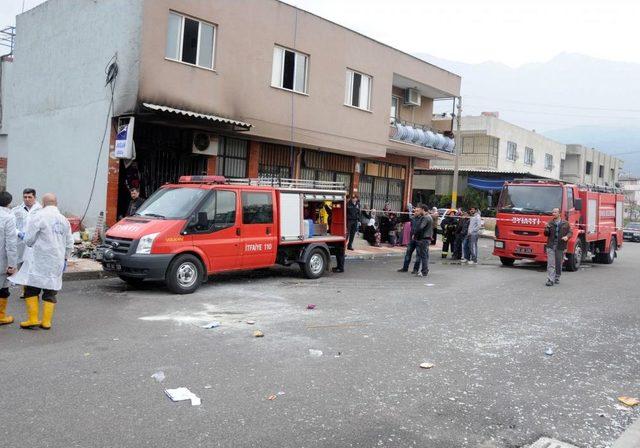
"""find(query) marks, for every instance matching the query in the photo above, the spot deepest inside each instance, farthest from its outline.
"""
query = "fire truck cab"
(524, 209)
(208, 224)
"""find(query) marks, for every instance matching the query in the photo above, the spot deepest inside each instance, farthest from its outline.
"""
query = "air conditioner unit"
(205, 144)
(412, 97)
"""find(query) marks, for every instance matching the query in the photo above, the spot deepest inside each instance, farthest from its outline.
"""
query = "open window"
(220, 210)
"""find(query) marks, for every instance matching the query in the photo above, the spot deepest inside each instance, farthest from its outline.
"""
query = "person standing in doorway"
(135, 203)
(558, 232)
(8, 253)
(422, 236)
(475, 224)
(353, 218)
(23, 213)
(49, 238)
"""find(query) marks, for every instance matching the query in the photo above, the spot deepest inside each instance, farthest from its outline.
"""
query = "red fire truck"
(208, 224)
(524, 209)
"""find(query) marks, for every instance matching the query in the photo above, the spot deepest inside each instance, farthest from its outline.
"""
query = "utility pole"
(456, 163)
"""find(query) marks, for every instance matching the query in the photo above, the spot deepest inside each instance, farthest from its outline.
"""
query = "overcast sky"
(510, 31)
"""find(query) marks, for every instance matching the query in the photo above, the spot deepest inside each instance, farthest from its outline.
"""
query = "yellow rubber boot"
(47, 314)
(4, 318)
(32, 313)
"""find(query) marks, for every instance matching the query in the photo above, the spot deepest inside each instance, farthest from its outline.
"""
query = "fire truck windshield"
(171, 203)
(530, 199)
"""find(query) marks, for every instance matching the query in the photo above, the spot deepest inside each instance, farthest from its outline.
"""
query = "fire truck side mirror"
(577, 204)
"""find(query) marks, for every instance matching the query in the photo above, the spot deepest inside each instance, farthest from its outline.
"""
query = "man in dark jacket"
(136, 202)
(558, 232)
(448, 225)
(462, 228)
(422, 236)
(353, 218)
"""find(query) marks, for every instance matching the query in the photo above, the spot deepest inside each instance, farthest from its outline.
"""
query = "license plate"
(524, 250)
(113, 266)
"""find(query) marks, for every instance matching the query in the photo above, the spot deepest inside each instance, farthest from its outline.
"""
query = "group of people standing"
(35, 243)
(460, 233)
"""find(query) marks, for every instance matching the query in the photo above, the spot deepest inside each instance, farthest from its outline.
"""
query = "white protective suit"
(8, 243)
(22, 214)
(50, 243)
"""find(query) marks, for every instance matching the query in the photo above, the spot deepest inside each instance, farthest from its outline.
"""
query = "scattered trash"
(281, 393)
(629, 401)
(272, 397)
(116, 339)
(258, 334)
(87, 354)
(182, 394)
(311, 306)
(315, 353)
(429, 284)
(426, 365)
(158, 376)
(210, 325)
(452, 398)
(208, 386)
(251, 322)
(549, 352)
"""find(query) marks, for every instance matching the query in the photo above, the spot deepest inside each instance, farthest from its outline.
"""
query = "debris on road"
(311, 306)
(629, 401)
(272, 397)
(315, 353)
(281, 393)
(214, 324)
(426, 365)
(208, 386)
(429, 284)
(158, 376)
(549, 352)
(251, 322)
(182, 394)
(258, 334)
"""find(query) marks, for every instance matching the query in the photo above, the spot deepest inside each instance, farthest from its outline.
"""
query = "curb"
(86, 275)
(630, 438)
(384, 255)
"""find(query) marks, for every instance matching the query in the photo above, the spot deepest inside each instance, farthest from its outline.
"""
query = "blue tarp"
(486, 184)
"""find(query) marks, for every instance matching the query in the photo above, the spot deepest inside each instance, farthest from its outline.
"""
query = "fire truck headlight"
(145, 244)
(499, 244)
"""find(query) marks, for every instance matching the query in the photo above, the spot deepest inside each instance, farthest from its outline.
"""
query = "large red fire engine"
(209, 224)
(524, 209)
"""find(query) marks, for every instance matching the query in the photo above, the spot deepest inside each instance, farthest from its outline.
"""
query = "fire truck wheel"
(185, 274)
(574, 260)
(607, 258)
(315, 264)
(506, 261)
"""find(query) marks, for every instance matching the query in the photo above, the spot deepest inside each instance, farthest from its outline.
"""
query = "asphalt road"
(87, 382)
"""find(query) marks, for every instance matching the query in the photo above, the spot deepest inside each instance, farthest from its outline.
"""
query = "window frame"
(211, 228)
(528, 156)
(601, 172)
(295, 70)
(348, 99)
(588, 168)
(548, 158)
(181, 41)
(512, 151)
(261, 193)
(394, 119)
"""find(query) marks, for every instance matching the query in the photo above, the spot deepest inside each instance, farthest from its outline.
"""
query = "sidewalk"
(84, 269)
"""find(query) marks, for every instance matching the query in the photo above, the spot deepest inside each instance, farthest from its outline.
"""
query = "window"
(548, 162)
(588, 168)
(512, 151)
(528, 156)
(570, 198)
(232, 158)
(612, 174)
(358, 90)
(220, 207)
(257, 208)
(190, 41)
(395, 109)
(467, 145)
(171, 203)
(601, 171)
(289, 70)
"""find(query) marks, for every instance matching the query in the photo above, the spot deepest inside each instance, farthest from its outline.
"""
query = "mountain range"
(571, 98)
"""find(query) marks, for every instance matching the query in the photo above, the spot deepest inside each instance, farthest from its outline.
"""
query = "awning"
(186, 113)
(486, 184)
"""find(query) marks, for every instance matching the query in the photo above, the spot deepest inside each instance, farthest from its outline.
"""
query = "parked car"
(632, 232)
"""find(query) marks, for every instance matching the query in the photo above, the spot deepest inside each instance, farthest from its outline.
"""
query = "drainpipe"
(454, 190)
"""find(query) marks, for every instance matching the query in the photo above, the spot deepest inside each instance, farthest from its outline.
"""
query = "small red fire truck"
(524, 209)
(208, 224)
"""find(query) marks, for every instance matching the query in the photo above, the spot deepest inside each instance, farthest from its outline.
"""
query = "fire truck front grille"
(119, 245)
(526, 232)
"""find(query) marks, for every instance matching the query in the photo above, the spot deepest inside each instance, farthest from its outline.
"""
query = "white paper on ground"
(182, 394)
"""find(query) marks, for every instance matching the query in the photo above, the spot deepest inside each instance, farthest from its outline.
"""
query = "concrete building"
(491, 151)
(631, 187)
(589, 166)
(235, 87)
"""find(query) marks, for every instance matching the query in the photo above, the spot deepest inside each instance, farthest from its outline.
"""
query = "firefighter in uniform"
(448, 225)
(48, 235)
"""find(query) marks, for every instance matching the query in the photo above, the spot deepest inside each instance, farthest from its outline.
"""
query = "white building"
(589, 166)
(631, 186)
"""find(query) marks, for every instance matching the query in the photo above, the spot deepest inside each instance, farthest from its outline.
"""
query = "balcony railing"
(420, 135)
